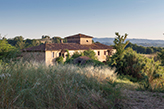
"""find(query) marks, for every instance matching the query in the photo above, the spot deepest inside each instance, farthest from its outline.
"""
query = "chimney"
(61, 40)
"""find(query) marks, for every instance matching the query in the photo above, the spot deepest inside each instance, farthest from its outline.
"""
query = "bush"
(33, 85)
(91, 54)
(76, 55)
(7, 51)
(95, 63)
(59, 59)
(145, 70)
(161, 56)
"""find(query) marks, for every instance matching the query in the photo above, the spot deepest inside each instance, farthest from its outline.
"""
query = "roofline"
(82, 49)
(43, 50)
(80, 35)
(62, 49)
(33, 50)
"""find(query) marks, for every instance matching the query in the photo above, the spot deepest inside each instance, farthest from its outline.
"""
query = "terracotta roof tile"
(69, 46)
(98, 46)
(79, 36)
(35, 48)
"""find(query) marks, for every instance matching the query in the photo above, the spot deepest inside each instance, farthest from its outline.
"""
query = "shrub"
(91, 54)
(95, 63)
(7, 51)
(145, 70)
(59, 59)
(76, 55)
(161, 56)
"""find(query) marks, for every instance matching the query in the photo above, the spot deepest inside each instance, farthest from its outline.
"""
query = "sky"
(98, 18)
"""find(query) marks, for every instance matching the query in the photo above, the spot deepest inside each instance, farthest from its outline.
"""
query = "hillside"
(142, 42)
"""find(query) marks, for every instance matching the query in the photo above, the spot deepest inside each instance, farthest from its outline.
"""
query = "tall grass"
(35, 85)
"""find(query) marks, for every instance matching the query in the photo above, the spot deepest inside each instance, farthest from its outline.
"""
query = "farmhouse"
(48, 52)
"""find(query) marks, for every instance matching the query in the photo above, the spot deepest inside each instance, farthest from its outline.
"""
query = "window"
(53, 54)
(59, 54)
(104, 52)
(98, 52)
(63, 55)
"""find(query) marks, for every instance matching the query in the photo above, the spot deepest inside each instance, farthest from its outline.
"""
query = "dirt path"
(142, 100)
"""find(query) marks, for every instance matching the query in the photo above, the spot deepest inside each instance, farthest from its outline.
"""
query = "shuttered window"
(104, 52)
(98, 53)
(53, 54)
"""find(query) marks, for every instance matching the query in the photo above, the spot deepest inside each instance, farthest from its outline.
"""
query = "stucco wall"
(86, 41)
(48, 58)
(102, 56)
(51, 60)
(34, 56)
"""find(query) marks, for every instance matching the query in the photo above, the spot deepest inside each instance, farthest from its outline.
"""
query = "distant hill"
(142, 42)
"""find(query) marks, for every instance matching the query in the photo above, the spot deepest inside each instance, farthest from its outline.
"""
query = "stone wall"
(34, 56)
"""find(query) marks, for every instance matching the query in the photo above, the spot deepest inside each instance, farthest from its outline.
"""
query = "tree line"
(144, 50)
(21, 43)
(10, 48)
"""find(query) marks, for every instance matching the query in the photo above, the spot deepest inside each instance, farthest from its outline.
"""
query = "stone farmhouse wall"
(52, 55)
(34, 56)
(49, 57)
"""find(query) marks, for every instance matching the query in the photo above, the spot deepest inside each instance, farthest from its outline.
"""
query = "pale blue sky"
(99, 18)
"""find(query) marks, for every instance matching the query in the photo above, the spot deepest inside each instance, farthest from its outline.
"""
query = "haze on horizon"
(99, 18)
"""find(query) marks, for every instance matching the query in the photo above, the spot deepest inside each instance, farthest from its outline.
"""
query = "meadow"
(35, 85)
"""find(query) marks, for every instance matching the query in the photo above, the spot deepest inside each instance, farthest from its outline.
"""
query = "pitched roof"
(79, 36)
(69, 46)
(35, 48)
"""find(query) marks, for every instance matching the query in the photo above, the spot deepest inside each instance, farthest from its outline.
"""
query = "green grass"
(34, 85)
(127, 82)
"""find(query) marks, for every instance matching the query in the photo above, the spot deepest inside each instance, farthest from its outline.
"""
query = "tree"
(76, 55)
(119, 43)
(149, 50)
(161, 56)
(116, 59)
(19, 42)
(91, 54)
(6, 50)
(35, 42)
(18, 38)
(56, 39)
(45, 37)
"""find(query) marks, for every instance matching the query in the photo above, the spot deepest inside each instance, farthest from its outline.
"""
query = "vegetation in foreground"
(33, 85)
(140, 69)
